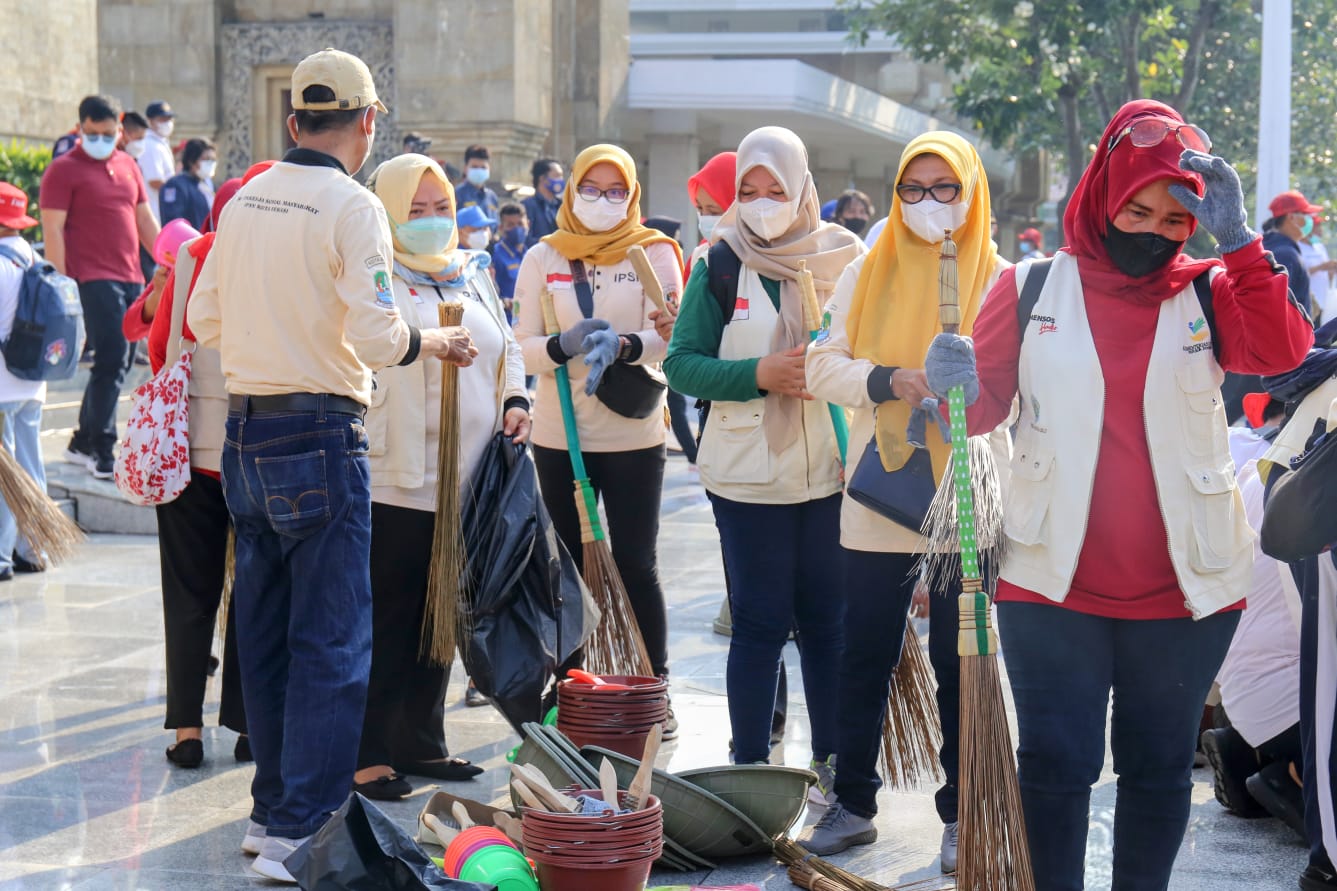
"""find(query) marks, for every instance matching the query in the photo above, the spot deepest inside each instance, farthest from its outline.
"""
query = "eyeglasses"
(593, 193)
(943, 193)
(1152, 131)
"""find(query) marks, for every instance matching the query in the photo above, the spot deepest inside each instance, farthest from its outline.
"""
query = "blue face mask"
(477, 176)
(1307, 227)
(97, 145)
(556, 185)
(1027, 247)
(516, 236)
(425, 235)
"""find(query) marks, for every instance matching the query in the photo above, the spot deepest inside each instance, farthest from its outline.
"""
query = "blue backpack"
(48, 332)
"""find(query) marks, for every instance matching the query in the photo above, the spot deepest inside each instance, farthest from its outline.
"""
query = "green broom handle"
(591, 507)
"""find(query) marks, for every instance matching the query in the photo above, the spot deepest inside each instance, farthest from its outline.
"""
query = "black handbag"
(628, 390)
(902, 496)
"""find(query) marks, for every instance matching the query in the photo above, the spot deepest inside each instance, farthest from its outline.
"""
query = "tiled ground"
(88, 801)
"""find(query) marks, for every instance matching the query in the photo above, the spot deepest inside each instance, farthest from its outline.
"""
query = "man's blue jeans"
(1063, 666)
(23, 424)
(298, 487)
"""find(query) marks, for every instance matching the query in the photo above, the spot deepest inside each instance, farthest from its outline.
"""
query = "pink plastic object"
(169, 241)
(584, 677)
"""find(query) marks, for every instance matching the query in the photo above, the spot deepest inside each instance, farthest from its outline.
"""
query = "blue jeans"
(1062, 666)
(785, 570)
(23, 425)
(298, 487)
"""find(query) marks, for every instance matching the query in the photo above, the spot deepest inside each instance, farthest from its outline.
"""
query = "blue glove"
(917, 429)
(1221, 207)
(951, 363)
(600, 348)
(572, 340)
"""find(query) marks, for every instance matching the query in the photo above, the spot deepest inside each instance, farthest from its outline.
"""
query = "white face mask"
(706, 225)
(478, 239)
(599, 215)
(135, 147)
(164, 128)
(207, 169)
(767, 217)
(929, 218)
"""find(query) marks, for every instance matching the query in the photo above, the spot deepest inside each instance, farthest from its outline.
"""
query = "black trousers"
(104, 305)
(406, 696)
(192, 551)
(631, 485)
(682, 430)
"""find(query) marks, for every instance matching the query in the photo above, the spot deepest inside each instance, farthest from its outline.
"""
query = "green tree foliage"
(23, 165)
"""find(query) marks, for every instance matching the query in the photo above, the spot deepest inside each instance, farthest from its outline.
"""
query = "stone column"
(675, 154)
(591, 56)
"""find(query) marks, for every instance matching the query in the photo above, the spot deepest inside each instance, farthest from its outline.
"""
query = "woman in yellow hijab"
(883, 315)
(403, 729)
(606, 321)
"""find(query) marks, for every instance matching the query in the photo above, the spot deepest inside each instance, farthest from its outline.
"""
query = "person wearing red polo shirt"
(95, 216)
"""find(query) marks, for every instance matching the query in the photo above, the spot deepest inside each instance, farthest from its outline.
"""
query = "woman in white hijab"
(768, 457)
(404, 724)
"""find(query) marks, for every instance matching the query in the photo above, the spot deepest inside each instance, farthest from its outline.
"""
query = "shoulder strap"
(178, 323)
(1202, 286)
(15, 258)
(1036, 273)
(584, 295)
(723, 267)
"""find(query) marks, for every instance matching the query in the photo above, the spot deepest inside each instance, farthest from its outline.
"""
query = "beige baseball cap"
(345, 74)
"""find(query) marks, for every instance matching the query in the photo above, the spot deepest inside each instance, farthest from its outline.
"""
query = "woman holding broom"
(769, 458)
(404, 724)
(606, 322)
(884, 315)
(1128, 550)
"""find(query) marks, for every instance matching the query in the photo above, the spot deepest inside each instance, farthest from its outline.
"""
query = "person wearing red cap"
(1129, 554)
(1292, 221)
(20, 400)
(1029, 241)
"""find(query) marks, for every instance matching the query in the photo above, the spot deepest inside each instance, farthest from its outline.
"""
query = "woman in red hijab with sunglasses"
(1128, 551)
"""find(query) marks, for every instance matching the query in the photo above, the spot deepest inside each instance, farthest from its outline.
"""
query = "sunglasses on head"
(1149, 132)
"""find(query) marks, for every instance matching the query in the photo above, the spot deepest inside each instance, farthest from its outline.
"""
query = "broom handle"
(646, 273)
(812, 320)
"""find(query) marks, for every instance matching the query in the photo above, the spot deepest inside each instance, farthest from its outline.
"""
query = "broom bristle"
(912, 728)
(616, 646)
(941, 561)
(442, 613)
(794, 855)
(52, 536)
(229, 582)
(992, 854)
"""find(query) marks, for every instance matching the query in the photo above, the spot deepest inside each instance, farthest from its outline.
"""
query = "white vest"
(1062, 392)
(735, 460)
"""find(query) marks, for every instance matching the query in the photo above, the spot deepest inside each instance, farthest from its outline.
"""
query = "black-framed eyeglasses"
(943, 193)
(1152, 131)
(594, 193)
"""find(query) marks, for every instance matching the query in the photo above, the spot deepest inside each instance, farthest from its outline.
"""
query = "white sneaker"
(273, 851)
(78, 458)
(948, 850)
(253, 839)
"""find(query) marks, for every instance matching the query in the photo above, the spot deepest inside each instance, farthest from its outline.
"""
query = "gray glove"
(600, 348)
(1221, 207)
(572, 340)
(951, 363)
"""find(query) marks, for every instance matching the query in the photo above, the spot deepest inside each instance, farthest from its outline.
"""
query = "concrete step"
(97, 505)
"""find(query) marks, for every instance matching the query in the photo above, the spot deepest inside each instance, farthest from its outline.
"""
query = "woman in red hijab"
(1128, 551)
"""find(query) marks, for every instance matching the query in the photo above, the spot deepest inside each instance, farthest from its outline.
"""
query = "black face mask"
(854, 224)
(1139, 253)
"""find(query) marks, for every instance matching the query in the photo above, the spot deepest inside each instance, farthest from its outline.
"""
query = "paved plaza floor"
(88, 801)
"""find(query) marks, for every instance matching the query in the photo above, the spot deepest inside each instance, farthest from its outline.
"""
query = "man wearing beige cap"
(296, 297)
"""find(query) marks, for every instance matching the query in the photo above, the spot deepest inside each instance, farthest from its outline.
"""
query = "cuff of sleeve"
(1251, 252)
(555, 352)
(515, 402)
(415, 347)
(634, 348)
(879, 383)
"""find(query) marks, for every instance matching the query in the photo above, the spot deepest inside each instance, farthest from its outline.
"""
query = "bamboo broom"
(815, 322)
(992, 855)
(911, 727)
(800, 861)
(52, 536)
(616, 646)
(442, 611)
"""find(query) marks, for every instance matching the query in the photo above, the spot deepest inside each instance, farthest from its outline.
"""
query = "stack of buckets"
(573, 852)
(617, 714)
(483, 854)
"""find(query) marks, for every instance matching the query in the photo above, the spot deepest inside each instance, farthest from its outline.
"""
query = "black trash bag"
(361, 849)
(526, 601)
(1300, 520)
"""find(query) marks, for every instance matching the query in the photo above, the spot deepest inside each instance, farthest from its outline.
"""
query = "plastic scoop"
(594, 680)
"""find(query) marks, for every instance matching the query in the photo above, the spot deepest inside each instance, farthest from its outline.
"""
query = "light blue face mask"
(425, 235)
(477, 176)
(1307, 227)
(98, 145)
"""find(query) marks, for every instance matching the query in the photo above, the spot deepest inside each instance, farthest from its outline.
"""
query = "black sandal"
(391, 787)
(444, 769)
(187, 753)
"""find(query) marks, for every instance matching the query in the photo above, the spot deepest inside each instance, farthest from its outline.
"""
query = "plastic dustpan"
(772, 796)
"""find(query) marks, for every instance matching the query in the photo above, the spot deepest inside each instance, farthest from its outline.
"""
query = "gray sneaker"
(823, 792)
(837, 830)
(948, 850)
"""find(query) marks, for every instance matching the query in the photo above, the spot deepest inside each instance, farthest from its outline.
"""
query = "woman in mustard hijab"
(606, 321)
(883, 316)
(404, 725)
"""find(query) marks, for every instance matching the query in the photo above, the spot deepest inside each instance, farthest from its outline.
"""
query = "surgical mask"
(767, 217)
(929, 218)
(478, 239)
(1307, 227)
(164, 128)
(98, 146)
(207, 169)
(599, 215)
(476, 176)
(706, 224)
(1138, 253)
(854, 224)
(1027, 247)
(425, 235)
(556, 186)
(135, 147)
(516, 235)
